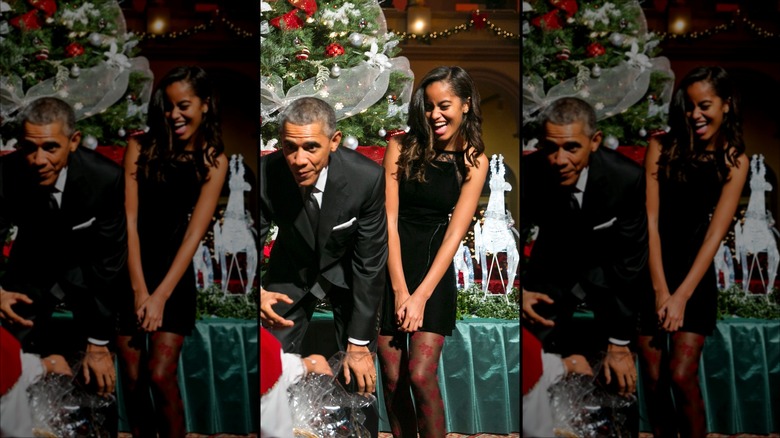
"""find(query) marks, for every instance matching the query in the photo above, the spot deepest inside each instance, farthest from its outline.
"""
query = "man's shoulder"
(615, 164)
(354, 161)
(94, 162)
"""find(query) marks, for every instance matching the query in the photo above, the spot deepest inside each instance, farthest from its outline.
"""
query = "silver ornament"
(121, 132)
(356, 39)
(351, 142)
(96, 39)
(611, 142)
(90, 142)
(595, 71)
(75, 71)
(642, 132)
(407, 129)
(382, 132)
(335, 71)
(617, 39)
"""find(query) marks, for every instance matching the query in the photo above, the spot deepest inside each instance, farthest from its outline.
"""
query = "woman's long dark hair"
(158, 148)
(679, 150)
(417, 146)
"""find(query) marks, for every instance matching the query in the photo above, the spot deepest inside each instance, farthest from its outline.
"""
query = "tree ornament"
(90, 142)
(558, 41)
(130, 97)
(564, 54)
(75, 71)
(595, 71)
(569, 7)
(27, 21)
(334, 49)
(382, 132)
(594, 50)
(642, 132)
(623, 23)
(391, 98)
(48, 7)
(335, 71)
(617, 39)
(74, 49)
(42, 55)
(548, 21)
(356, 39)
(102, 23)
(351, 142)
(297, 41)
(121, 132)
(407, 128)
(302, 54)
(611, 142)
(362, 23)
(96, 39)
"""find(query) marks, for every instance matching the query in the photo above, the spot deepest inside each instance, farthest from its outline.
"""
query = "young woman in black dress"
(695, 175)
(434, 176)
(173, 179)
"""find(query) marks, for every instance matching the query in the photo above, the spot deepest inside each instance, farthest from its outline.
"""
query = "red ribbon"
(567, 6)
(49, 7)
(549, 21)
(307, 6)
(291, 21)
(27, 21)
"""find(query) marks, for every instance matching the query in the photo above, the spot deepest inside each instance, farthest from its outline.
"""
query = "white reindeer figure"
(462, 262)
(754, 235)
(724, 266)
(204, 270)
(235, 234)
(495, 235)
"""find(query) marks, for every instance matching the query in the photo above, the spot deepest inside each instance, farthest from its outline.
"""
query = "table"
(479, 373)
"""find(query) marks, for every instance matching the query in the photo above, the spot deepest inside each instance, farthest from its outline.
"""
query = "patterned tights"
(160, 375)
(414, 368)
(681, 373)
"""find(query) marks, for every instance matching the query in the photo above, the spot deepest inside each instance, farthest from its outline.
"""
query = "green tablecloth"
(481, 392)
(219, 378)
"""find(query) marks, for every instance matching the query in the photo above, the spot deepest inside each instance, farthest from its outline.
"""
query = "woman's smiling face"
(184, 111)
(705, 111)
(444, 111)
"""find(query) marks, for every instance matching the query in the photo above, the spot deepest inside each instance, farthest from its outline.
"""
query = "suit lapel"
(333, 199)
(288, 198)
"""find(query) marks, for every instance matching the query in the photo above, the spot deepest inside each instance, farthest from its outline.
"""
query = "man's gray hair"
(569, 110)
(308, 111)
(48, 110)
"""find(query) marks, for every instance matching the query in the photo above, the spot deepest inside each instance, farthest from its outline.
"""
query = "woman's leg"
(425, 350)
(684, 366)
(165, 351)
(394, 363)
(657, 385)
(135, 382)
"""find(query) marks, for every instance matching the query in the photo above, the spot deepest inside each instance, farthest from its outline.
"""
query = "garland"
(213, 303)
(735, 303)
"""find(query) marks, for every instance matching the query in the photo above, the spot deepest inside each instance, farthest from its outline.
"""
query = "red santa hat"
(11, 361)
(270, 361)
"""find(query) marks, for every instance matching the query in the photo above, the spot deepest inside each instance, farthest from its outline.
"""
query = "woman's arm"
(394, 264)
(137, 281)
(719, 225)
(196, 229)
(652, 201)
(459, 224)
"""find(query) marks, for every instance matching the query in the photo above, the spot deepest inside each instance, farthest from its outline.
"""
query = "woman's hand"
(140, 298)
(151, 312)
(414, 309)
(672, 312)
(401, 297)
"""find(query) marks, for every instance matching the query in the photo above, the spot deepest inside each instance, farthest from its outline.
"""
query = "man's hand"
(620, 361)
(316, 363)
(359, 364)
(530, 299)
(56, 364)
(99, 362)
(7, 301)
(268, 317)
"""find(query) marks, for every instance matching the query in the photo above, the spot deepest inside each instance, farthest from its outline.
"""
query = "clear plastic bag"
(322, 408)
(583, 407)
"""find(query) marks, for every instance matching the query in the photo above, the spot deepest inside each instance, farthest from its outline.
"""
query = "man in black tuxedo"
(67, 203)
(329, 205)
(589, 206)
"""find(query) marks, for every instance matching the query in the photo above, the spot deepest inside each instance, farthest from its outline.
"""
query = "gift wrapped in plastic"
(62, 408)
(322, 408)
(583, 407)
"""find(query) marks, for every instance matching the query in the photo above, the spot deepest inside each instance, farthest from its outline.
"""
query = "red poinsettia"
(49, 7)
(548, 21)
(307, 6)
(267, 249)
(568, 6)
(291, 20)
(27, 21)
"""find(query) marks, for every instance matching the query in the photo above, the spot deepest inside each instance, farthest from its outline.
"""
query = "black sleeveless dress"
(684, 215)
(164, 209)
(423, 216)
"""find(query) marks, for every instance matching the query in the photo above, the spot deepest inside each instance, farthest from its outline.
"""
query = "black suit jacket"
(80, 250)
(599, 252)
(351, 257)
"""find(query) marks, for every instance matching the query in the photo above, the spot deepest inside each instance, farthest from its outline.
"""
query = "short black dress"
(164, 209)
(423, 217)
(684, 215)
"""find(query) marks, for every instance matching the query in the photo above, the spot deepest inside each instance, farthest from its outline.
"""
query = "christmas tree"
(80, 52)
(601, 52)
(338, 51)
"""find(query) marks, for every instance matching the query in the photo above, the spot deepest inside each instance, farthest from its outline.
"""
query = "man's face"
(568, 150)
(307, 149)
(46, 149)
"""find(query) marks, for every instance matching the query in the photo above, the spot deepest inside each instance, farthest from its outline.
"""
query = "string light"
(427, 37)
(230, 25)
(731, 25)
